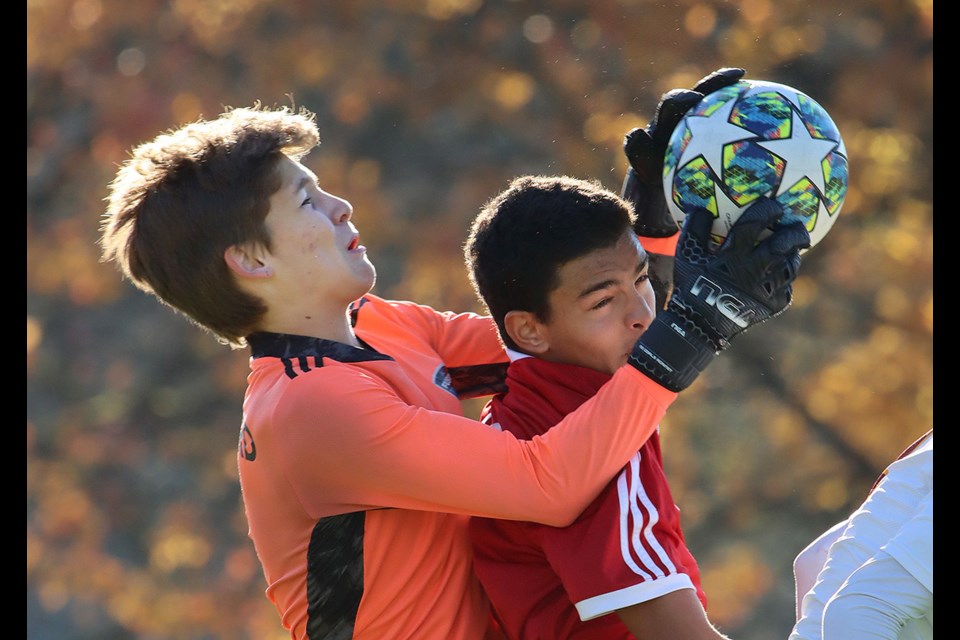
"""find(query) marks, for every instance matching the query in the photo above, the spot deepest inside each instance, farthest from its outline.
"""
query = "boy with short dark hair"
(558, 264)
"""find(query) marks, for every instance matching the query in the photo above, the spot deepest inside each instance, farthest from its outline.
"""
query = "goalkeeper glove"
(719, 295)
(643, 184)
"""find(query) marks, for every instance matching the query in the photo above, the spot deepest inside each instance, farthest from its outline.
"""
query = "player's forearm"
(597, 439)
(552, 478)
(809, 562)
(673, 616)
(365, 446)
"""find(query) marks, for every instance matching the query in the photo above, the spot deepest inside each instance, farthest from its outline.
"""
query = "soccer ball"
(754, 139)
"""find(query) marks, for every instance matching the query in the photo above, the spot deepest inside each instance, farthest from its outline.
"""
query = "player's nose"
(340, 210)
(642, 311)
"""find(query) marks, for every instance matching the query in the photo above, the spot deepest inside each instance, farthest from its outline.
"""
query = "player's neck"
(328, 324)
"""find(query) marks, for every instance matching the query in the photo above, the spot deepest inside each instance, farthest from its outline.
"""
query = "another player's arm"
(373, 449)
(877, 601)
(809, 562)
(469, 346)
(677, 615)
(890, 590)
(460, 339)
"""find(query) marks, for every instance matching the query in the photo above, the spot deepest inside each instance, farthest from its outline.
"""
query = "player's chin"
(365, 276)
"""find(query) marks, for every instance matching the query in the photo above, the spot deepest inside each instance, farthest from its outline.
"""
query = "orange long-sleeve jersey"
(359, 471)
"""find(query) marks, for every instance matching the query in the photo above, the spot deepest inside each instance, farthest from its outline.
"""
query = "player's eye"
(643, 278)
(306, 201)
(602, 303)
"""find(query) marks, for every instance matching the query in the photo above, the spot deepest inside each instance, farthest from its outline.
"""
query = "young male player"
(357, 468)
(558, 264)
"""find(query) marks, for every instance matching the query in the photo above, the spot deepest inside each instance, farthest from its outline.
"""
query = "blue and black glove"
(643, 184)
(720, 294)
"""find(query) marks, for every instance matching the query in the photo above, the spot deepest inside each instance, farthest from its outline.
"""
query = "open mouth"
(353, 243)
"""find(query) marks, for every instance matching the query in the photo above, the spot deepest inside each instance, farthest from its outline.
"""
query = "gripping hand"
(719, 295)
(645, 148)
(643, 186)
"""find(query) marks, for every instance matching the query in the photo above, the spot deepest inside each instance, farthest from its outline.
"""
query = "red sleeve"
(353, 441)
(627, 547)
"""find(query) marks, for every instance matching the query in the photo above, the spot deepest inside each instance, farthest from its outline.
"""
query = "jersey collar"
(287, 345)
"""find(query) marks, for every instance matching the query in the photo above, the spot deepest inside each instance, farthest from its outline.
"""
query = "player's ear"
(526, 331)
(247, 260)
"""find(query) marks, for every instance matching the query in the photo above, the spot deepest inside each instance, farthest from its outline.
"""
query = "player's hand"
(643, 184)
(645, 149)
(747, 280)
(720, 294)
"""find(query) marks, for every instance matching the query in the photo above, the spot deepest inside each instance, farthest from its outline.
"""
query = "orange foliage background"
(426, 109)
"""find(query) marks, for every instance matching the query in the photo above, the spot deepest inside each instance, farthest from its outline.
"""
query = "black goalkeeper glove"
(643, 184)
(719, 295)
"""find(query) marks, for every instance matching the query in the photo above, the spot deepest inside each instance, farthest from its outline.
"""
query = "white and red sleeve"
(627, 547)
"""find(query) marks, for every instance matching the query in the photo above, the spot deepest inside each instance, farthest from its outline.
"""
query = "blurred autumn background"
(427, 108)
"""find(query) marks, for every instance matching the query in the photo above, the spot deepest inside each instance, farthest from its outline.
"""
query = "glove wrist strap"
(673, 351)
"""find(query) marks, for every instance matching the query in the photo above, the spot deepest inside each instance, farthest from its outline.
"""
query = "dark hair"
(183, 198)
(522, 237)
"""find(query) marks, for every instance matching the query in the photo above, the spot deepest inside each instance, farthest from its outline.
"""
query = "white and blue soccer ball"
(753, 139)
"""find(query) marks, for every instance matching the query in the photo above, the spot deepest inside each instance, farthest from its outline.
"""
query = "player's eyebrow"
(644, 261)
(301, 178)
(603, 284)
(303, 182)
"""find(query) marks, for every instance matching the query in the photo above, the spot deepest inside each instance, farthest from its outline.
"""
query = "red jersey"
(627, 546)
(358, 470)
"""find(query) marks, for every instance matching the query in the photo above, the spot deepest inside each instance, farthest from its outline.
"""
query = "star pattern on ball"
(728, 210)
(794, 99)
(805, 154)
(792, 96)
(710, 134)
